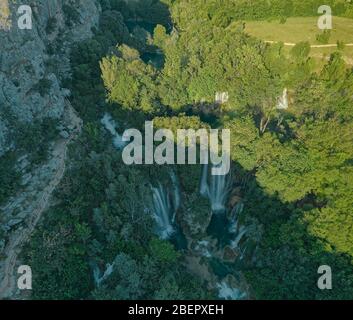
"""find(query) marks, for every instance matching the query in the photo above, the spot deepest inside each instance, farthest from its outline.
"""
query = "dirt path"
(348, 60)
(7, 285)
(290, 44)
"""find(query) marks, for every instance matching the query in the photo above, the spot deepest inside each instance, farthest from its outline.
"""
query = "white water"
(162, 212)
(204, 190)
(98, 277)
(240, 234)
(283, 101)
(202, 247)
(221, 97)
(234, 216)
(235, 228)
(228, 293)
(242, 254)
(111, 126)
(165, 207)
(217, 191)
(176, 193)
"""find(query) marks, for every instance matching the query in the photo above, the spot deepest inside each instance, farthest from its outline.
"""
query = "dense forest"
(289, 194)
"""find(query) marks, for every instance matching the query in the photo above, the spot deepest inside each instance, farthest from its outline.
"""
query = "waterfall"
(242, 254)
(240, 233)
(228, 293)
(202, 247)
(237, 210)
(176, 193)
(204, 190)
(162, 212)
(234, 227)
(217, 191)
(110, 125)
(283, 101)
(98, 278)
(165, 206)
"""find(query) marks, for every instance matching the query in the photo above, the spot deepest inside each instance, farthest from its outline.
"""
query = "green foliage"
(43, 86)
(340, 45)
(293, 167)
(163, 251)
(10, 178)
(129, 80)
(51, 25)
(72, 15)
(324, 36)
(301, 50)
(179, 122)
(296, 156)
(259, 10)
(34, 138)
(244, 137)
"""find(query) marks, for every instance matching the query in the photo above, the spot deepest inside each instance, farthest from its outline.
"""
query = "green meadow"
(299, 29)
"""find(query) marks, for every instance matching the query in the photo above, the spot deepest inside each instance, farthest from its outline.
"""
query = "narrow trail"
(290, 44)
(347, 59)
(12, 250)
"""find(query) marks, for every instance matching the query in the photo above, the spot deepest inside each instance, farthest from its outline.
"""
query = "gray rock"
(13, 222)
(26, 179)
(24, 66)
(64, 134)
(23, 61)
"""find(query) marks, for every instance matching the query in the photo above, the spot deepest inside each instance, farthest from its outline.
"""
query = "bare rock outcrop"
(29, 73)
(30, 89)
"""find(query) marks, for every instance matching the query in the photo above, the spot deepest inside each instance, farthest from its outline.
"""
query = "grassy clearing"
(300, 29)
(322, 55)
(4, 15)
(305, 29)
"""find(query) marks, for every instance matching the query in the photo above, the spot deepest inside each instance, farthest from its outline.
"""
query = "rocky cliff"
(33, 64)
(32, 61)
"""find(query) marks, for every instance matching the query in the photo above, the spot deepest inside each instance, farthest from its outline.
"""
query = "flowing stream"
(166, 203)
(99, 277)
(217, 191)
(163, 212)
(228, 293)
(109, 123)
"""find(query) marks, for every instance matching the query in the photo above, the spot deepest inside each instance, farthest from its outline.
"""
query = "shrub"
(324, 37)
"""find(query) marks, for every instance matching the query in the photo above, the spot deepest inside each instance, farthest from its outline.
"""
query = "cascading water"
(283, 101)
(110, 125)
(228, 293)
(234, 216)
(217, 191)
(165, 207)
(176, 192)
(240, 233)
(162, 212)
(203, 247)
(204, 190)
(234, 227)
(98, 277)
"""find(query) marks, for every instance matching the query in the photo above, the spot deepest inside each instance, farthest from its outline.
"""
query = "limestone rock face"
(32, 64)
(25, 59)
